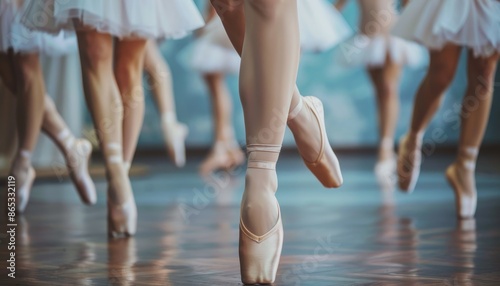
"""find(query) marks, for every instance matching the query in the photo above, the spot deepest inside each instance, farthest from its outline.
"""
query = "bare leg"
(442, 69)
(7, 111)
(103, 99)
(30, 91)
(386, 83)
(160, 83)
(475, 112)
(76, 151)
(129, 61)
(306, 124)
(225, 152)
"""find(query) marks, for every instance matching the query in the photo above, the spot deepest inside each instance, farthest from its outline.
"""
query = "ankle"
(415, 137)
(22, 161)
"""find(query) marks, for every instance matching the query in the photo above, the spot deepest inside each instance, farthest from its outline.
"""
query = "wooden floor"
(188, 231)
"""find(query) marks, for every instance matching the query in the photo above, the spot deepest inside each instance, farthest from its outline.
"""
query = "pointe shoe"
(122, 217)
(23, 190)
(260, 254)
(326, 167)
(385, 171)
(175, 134)
(465, 200)
(409, 161)
(78, 165)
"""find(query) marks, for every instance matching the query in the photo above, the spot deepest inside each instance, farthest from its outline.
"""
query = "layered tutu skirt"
(474, 24)
(373, 51)
(158, 19)
(14, 35)
(321, 27)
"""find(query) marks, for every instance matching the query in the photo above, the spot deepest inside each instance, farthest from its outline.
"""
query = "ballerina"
(445, 27)
(174, 132)
(383, 55)
(112, 76)
(321, 27)
(21, 73)
(266, 35)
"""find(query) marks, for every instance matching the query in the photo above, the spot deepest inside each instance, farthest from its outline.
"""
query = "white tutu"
(213, 51)
(15, 36)
(474, 24)
(157, 19)
(321, 25)
(363, 50)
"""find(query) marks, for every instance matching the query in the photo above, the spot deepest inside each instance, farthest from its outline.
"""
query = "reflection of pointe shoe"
(465, 198)
(409, 161)
(326, 167)
(122, 216)
(385, 171)
(78, 166)
(260, 254)
(175, 134)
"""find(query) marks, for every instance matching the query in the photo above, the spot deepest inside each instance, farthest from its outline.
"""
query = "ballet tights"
(269, 63)
(233, 15)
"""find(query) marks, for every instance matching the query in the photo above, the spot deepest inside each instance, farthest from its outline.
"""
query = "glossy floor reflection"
(188, 231)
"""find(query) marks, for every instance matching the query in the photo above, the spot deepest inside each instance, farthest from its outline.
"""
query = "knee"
(440, 76)
(230, 6)
(95, 54)
(387, 90)
(482, 72)
(28, 69)
(130, 84)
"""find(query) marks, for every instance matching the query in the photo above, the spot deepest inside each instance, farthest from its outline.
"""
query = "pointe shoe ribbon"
(260, 254)
(326, 167)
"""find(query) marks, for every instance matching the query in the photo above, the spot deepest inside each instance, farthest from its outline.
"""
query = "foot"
(307, 123)
(409, 160)
(175, 134)
(222, 157)
(385, 171)
(77, 161)
(24, 175)
(463, 182)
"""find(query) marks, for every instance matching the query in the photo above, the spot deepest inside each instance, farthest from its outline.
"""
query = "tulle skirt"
(373, 51)
(474, 24)
(321, 26)
(158, 19)
(15, 36)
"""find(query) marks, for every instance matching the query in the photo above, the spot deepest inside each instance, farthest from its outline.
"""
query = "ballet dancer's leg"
(270, 57)
(161, 86)
(7, 111)
(443, 64)
(385, 80)
(225, 152)
(76, 151)
(30, 93)
(475, 112)
(129, 62)
(306, 124)
(103, 99)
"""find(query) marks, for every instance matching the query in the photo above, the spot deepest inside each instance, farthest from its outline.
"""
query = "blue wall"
(346, 93)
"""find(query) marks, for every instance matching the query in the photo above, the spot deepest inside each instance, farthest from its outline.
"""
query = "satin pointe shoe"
(260, 254)
(460, 176)
(175, 134)
(122, 217)
(78, 156)
(326, 167)
(409, 161)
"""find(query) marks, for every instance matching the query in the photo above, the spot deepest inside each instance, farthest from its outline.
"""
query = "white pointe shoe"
(175, 134)
(409, 161)
(23, 190)
(465, 191)
(77, 162)
(385, 171)
(260, 254)
(122, 217)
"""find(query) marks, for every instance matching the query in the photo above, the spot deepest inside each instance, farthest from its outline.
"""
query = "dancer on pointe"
(212, 54)
(20, 71)
(112, 76)
(383, 55)
(174, 132)
(266, 34)
(445, 27)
